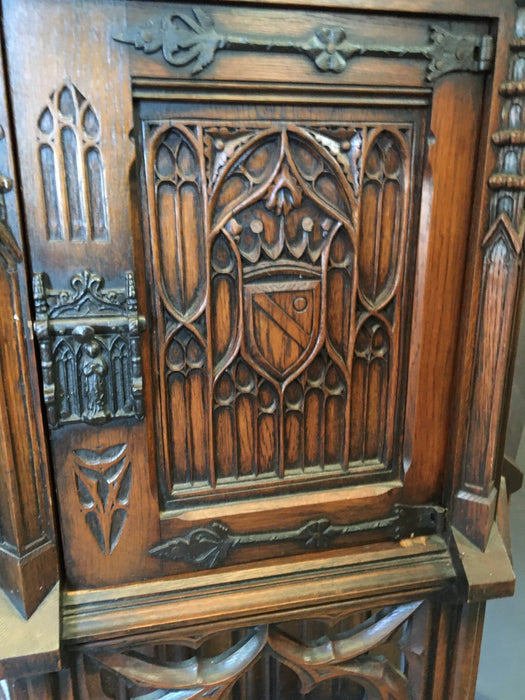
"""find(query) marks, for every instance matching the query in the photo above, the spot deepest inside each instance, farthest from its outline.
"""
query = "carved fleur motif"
(88, 295)
(183, 38)
(204, 547)
(317, 533)
(103, 480)
(347, 150)
(220, 144)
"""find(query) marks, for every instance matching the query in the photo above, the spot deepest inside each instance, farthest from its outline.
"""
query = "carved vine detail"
(211, 545)
(103, 480)
(350, 655)
(90, 352)
(72, 168)
(192, 39)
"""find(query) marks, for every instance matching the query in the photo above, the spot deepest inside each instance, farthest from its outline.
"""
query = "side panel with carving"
(496, 285)
(105, 501)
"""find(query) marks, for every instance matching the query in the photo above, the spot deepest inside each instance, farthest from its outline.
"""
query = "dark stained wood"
(316, 208)
(464, 648)
(27, 539)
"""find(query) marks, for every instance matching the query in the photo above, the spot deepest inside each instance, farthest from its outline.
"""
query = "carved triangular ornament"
(504, 228)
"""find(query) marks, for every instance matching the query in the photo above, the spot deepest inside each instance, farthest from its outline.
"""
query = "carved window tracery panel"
(373, 655)
(284, 264)
(72, 169)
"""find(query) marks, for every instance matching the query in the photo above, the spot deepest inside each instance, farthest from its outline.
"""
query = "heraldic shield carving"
(277, 252)
(281, 234)
(281, 325)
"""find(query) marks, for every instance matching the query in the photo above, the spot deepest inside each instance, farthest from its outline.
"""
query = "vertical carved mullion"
(212, 476)
(88, 215)
(502, 253)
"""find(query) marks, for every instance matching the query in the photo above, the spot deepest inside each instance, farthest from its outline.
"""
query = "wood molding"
(304, 585)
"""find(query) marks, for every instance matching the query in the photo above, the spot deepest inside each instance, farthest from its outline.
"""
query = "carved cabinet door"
(248, 228)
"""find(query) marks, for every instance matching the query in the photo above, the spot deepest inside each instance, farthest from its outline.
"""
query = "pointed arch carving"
(72, 168)
(278, 298)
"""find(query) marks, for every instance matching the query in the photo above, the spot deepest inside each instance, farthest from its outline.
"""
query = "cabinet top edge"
(473, 8)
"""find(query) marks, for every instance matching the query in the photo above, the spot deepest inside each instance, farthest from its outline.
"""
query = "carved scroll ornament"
(89, 347)
(192, 39)
(349, 655)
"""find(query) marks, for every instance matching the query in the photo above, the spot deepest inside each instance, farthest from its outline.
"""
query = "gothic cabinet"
(260, 264)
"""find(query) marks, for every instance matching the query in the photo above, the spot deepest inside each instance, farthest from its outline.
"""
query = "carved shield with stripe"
(281, 324)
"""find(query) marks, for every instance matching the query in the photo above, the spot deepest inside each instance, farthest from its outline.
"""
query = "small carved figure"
(93, 370)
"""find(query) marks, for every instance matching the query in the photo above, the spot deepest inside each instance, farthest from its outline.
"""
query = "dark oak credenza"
(261, 276)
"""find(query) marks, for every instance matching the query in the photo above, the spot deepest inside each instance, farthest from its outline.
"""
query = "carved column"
(502, 250)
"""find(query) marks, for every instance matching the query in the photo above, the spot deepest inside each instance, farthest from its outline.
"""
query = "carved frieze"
(192, 39)
(89, 348)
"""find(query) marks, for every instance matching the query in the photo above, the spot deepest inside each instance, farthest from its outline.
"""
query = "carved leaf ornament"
(346, 655)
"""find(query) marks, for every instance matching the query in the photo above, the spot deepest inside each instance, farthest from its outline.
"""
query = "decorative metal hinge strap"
(210, 545)
(89, 349)
(192, 39)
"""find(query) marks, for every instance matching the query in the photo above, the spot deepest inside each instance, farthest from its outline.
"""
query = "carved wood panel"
(72, 169)
(355, 657)
(277, 254)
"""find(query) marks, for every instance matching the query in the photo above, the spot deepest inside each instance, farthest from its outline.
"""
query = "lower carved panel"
(365, 655)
